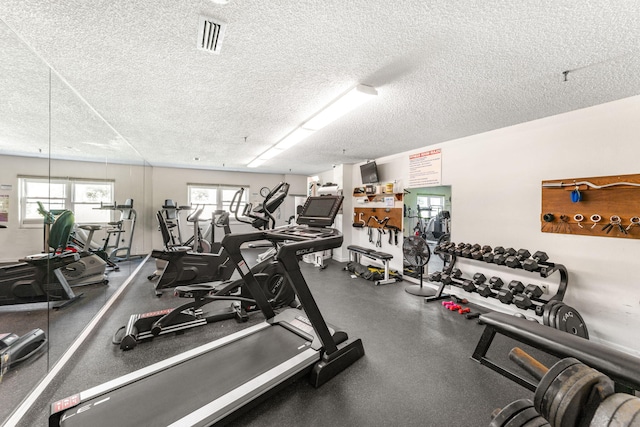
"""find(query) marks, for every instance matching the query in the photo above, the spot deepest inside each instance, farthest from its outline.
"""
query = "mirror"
(24, 130)
(428, 214)
(57, 150)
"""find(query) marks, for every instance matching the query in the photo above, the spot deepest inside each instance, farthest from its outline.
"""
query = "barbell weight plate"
(510, 411)
(579, 398)
(548, 378)
(523, 417)
(552, 314)
(538, 421)
(559, 388)
(627, 414)
(608, 408)
(547, 309)
(569, 320)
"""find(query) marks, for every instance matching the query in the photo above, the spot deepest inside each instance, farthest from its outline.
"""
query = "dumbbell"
(523, 300)
(531, 264)
(435, 277)
(489, 256)
(515, 261)
(452, 248)
(487, 290)
(444, 247)
(462, 247)
(506, 295)
(469, 285)
(467, 251)
(502, 257)
(479, 254)
(447, 278)
(571, 394)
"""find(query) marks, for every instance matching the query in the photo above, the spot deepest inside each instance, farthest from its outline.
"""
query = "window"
(215, 197)
(81, 196)
(429, 205)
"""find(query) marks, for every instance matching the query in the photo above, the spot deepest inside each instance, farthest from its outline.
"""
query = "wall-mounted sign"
(425, 169)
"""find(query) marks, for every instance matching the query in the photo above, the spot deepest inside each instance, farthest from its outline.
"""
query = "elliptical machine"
(184, 266)
(268, 273)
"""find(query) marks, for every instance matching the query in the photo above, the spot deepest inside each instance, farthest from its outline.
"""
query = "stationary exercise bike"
(184, 266)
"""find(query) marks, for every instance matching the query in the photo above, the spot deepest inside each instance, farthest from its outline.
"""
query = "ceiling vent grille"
(210, 34)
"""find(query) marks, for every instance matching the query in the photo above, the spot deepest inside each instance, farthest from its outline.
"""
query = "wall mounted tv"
(369, 173)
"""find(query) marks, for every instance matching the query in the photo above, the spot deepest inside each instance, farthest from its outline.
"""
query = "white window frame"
(67, 201)
(433, 201)
(219, 204)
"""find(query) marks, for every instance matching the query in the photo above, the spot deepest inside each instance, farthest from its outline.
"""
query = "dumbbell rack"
(544, 269)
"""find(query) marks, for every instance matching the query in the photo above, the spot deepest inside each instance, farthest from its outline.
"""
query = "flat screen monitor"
(369, 173)
(320, 211)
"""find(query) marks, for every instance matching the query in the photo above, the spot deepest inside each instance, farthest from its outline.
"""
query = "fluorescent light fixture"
(293, 138)
(270, 153)
(341, 106)
(255, 163)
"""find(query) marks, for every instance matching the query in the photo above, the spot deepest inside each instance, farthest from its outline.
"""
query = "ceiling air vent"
(210, 34)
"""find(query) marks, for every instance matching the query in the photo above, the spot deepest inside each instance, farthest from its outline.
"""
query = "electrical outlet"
(545, 289)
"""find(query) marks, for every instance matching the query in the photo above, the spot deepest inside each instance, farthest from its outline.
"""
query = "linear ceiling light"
(339, 107)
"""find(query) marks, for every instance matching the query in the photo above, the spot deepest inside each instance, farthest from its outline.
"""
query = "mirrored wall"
(428, 214)
(66, 175)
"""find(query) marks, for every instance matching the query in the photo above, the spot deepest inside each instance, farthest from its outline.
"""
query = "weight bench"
(622, 368)
(356, 252)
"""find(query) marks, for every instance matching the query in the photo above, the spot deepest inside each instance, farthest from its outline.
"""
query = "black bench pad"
(369, 252)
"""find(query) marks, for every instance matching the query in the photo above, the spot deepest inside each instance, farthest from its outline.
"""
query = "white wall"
(496, 198)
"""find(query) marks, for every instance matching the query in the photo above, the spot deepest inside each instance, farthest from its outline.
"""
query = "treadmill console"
(320, 211)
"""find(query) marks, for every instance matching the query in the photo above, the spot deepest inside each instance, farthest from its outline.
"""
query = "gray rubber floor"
(416, 371)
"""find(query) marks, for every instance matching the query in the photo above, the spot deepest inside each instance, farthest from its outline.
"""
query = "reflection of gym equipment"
(188, 267)
(16, 349)
(37, 279)
(223, 376)
(90, 268)
(116, 229)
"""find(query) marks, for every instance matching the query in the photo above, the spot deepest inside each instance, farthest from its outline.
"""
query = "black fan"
(417, 253)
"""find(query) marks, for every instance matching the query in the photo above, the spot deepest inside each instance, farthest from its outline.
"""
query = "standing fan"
(416, 252)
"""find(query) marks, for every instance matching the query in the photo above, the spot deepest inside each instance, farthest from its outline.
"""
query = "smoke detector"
(210, 34)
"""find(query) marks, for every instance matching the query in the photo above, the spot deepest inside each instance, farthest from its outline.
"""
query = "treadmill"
(208, 384)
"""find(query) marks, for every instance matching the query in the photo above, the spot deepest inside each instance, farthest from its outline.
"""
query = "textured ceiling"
(443, 69)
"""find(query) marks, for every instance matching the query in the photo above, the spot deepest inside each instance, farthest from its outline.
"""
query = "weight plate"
(509, 411)
(575, 400)
(552, 314)
(559, 388)
(539, 421)
(547, 309)
(523, 417)
(627, 414)
(569, 320)
(548, 378)
(607, 409)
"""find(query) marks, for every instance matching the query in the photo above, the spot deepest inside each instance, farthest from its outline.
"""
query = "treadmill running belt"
(163, 398)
